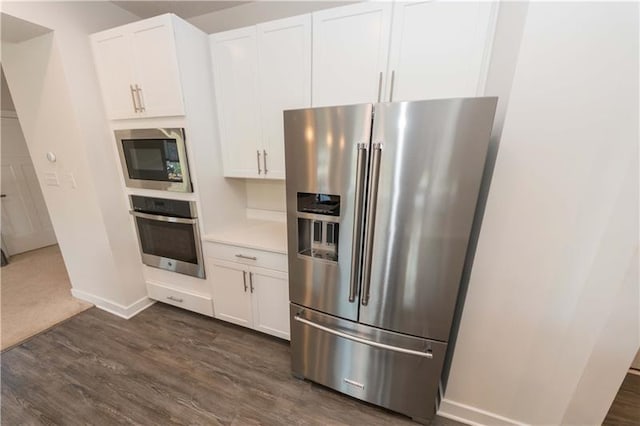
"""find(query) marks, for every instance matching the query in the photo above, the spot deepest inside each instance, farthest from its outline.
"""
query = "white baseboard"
(473, 416)
(122, 311)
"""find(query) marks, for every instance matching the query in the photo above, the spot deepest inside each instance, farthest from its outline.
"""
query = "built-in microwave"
(154, 159)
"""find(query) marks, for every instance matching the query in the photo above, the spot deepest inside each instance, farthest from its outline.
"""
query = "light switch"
(68, 178)
(51, 179)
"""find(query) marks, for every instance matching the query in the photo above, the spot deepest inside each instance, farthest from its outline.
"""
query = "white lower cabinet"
(250, 296)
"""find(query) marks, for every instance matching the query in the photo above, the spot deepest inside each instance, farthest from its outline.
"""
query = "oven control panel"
(163, 206)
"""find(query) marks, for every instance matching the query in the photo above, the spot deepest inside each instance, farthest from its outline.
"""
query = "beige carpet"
(35, 295)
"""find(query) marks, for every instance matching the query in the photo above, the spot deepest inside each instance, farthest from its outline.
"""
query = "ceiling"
(184, 9)
(16, 30)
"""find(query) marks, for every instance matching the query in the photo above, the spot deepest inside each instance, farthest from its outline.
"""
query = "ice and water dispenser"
(318, 227)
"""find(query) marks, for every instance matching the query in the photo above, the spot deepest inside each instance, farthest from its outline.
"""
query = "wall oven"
(168, 234)
(154, 159)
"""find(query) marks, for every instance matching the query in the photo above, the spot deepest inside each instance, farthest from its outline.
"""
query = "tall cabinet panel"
(234, 56)
(350, 50)
(439, 49)
(284, 61)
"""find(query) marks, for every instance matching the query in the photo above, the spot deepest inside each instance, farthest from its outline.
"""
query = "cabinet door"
(440, 49)
(284, 61)
(231, 294)
(234, 58)
(350, 50)
(270, 300)
(112, 56)
(156, 68)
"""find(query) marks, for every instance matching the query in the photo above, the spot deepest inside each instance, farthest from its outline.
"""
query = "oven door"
(154, 159)
(170, 243)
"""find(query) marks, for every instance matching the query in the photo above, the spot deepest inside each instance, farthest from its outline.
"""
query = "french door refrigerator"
(380, 204)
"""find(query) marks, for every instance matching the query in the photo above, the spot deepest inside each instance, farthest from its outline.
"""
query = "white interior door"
(284, 61)
(440, 49)
(350, 52)
(25, 220)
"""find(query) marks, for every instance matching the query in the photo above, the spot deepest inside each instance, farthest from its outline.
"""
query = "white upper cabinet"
(350, 51)
(284, 61)
(427, 50)
(137, 68)
(235, 72)
(260, 71)
(439, 49)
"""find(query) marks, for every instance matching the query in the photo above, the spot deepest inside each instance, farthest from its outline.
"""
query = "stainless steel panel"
(395, 371)
(159, 133)
(431, 164)
(321, 146)
(174, 265)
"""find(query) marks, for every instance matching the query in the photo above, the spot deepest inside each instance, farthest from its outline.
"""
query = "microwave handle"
(161, 218)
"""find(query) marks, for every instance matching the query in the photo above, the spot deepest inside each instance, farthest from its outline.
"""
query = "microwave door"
(148, 160)
(154, 159)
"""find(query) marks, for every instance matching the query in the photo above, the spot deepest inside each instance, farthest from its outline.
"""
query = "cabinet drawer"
(180, 298)
(247, 256)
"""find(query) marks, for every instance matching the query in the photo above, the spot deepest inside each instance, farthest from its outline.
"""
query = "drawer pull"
(242, 256)
(175, 299)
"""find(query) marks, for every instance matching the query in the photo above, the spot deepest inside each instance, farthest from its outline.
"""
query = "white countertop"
(256, 234)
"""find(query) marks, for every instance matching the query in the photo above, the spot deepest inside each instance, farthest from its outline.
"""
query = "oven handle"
(161, 218)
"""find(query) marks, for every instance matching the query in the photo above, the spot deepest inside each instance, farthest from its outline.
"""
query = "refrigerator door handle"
(371, 219)
(357, 221)
(427, 354)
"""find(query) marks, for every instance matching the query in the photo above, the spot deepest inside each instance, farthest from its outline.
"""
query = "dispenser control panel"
(318, 228)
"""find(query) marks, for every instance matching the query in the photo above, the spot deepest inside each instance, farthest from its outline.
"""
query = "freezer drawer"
(385, 368)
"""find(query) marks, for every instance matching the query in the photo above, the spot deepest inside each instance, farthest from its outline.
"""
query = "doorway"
(35, 291)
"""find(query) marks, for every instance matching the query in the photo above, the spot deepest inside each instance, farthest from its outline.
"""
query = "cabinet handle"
(140, 98)
(251, 281)
(259, 169)
(264, 160)
(380, 86)
(242, 256)
(133, 98)
(244, 280)
(393, 80)
(175, 299)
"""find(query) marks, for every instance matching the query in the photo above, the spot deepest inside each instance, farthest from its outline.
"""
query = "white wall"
(56, 94)
(550, 324)
(5, 95)
(266, 195)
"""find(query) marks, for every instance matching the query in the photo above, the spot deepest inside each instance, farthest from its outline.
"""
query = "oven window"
(152, 159)
(170, 240)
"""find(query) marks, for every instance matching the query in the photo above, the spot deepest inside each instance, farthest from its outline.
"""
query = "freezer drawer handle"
(357, 221)
(428, 354)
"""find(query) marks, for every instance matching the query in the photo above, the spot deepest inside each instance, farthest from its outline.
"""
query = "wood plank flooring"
(167, 366)
(625, 410)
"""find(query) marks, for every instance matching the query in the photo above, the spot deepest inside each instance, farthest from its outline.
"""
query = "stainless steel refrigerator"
(380, 204)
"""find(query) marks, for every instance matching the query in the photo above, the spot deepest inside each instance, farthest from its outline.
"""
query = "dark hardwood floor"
(167, 366)
(625, 410)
